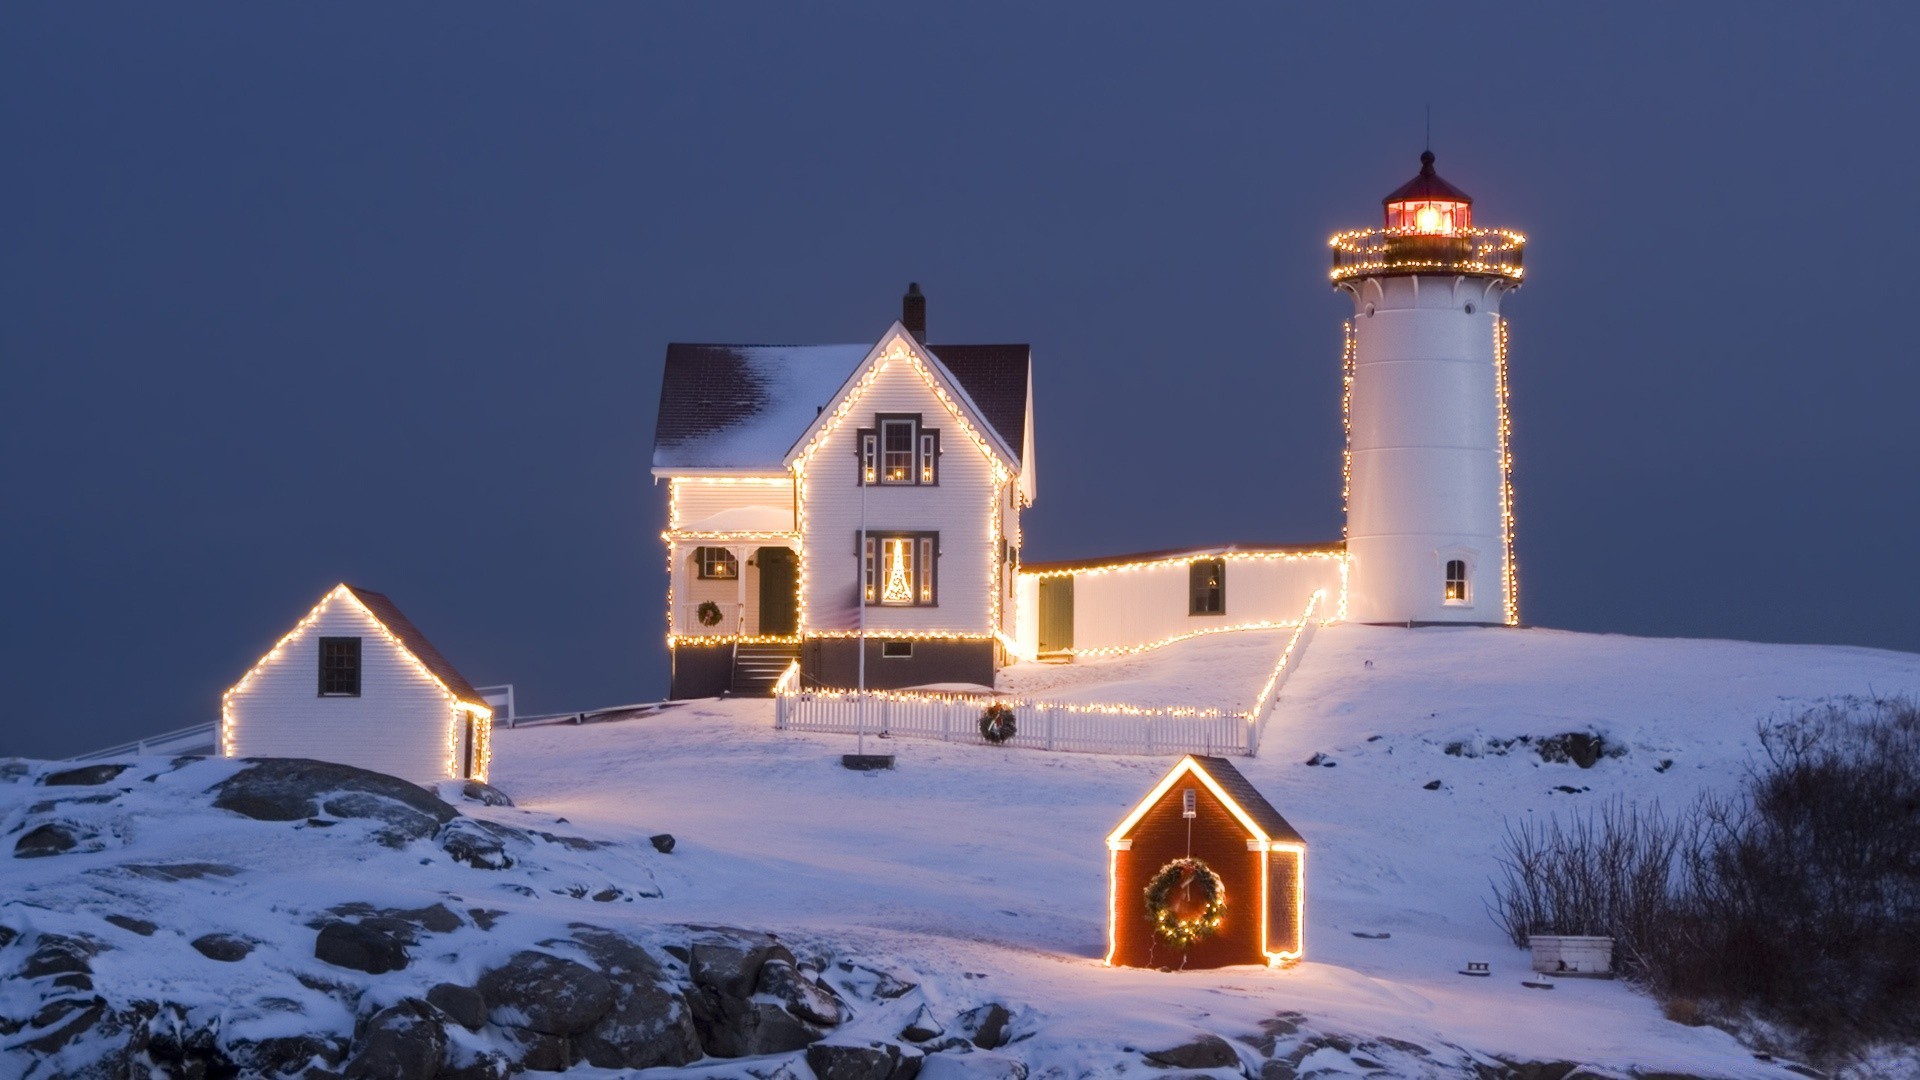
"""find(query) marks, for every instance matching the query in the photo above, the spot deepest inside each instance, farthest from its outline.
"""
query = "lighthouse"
(1428, 472)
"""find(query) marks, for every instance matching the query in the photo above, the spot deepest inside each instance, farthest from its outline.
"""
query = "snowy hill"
(978, 873)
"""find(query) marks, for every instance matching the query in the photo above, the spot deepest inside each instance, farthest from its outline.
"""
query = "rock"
(733, 1027)
(922, 1027)
(546, 994)
(1539, 1070)
(464, 1006)
(291, 789)
(1580, 747)
(872, 1061)
(662, 843)
(55, 954)
(188, 871)
(981, 1065)
(437, 918)
(649, 1023)
(54, 838)
(873, 983)
(400, 823)
(1278, 1070)
(1431, 785)
(399, 930)
(728, 960)
(484, 793)
(12, 771)
(987, 1025)
(288, 1055)
(226, 948)
(404, 1042)
(473, 1063)
(85, 775)
(802, 997)
(130, 924)
(359, 948)
(471, 842)
(1205, 1052)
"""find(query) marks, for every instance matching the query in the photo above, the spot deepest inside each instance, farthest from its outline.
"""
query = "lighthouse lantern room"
(1429, 494)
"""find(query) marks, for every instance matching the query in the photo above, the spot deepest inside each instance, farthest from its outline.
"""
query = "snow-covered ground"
(977, 860)
(978, 872)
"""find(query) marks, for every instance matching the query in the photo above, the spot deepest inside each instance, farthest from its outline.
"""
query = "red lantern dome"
(1428, 205)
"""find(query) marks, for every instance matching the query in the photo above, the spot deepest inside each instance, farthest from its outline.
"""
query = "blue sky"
(295, 294)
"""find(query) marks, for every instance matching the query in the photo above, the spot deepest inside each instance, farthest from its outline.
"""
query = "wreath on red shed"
(1186, 901)
(996, 723)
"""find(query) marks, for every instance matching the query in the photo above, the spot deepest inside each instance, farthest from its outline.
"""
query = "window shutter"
(926, 561)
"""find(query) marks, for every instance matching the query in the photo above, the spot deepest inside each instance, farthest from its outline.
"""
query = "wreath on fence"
(996, 723)
(1186, 901)
(708, 613)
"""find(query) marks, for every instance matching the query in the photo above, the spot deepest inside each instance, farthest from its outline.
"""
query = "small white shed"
(355, 682)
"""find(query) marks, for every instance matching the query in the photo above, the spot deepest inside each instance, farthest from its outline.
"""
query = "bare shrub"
(1795, 900)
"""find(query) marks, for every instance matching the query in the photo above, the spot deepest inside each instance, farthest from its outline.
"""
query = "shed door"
(1056, 614)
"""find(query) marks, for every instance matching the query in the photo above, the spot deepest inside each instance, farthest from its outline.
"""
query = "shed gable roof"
(405, 636)
(746, 406)
(1250, 807)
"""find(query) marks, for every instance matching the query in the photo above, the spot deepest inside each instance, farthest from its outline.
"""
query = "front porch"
(733, 589)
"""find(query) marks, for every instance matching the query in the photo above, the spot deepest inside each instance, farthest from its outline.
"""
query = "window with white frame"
(1207, 587)
(716, 564)
(899, 569)
(898, 451)
(1455, 590)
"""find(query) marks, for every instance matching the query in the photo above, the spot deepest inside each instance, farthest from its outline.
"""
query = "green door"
(779, 573)
(1056, 614)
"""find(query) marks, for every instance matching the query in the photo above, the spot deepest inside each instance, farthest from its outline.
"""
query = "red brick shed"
(1259, 859)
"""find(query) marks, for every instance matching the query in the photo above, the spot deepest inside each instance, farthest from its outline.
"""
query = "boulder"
(360, 948)
(55, 838)
(287, 1055)
(400, 823)
(1205, 1052)
(226, 948)
(649, 1023)
(473, 1063)
(872, 982)
(802, 997)
(662, 843)
(870, 1061)
(84, 775)
(538, 1051)
(484, 793)
(980, 1065)
(731, 1027)
(463, 1005)
(56, 954)
(404, 1042)
(546, 994)
(987, 1025)
(129, 924)
(922, 1027)
(475, 843)
(293, 789)
(728, 960)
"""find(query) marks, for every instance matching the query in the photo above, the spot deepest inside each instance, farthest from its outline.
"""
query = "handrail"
(1371, 252)
(140, 747)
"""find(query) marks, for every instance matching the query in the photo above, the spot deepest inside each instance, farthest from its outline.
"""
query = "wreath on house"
(997, 724)
(1186, 901)
(708, 613)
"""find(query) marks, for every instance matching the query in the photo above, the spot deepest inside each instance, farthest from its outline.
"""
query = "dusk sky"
(296, 294)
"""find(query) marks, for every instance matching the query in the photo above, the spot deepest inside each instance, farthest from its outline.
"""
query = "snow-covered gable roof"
(898, 344)
(1246, 803)
(400, 630)
(743, 407)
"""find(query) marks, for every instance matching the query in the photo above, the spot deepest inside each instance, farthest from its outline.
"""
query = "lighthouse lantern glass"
(1429, 217)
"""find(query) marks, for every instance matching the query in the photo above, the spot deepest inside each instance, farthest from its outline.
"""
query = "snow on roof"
(744, 519)
(742, 406)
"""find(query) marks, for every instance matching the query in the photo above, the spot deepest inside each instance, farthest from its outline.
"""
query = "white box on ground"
(1566, 954)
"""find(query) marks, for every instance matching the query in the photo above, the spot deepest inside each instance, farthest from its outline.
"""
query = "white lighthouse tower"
(1428, 476)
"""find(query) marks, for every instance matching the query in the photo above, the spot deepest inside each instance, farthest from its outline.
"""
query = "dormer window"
(896, 450)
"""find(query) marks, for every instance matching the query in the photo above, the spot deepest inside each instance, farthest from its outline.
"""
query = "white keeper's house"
(857, 507)
(356, 682)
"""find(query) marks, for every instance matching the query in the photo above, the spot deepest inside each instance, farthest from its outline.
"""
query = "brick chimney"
(913, 312)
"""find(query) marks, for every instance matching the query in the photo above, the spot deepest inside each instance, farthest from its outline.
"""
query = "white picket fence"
(1040, 724)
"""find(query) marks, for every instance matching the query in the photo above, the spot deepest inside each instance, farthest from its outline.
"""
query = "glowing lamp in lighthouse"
(1428, 473)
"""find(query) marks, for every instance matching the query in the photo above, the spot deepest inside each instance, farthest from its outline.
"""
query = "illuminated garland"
(1286, 654)
(1187, 560)
(1349, 356)
(1495, 253)
(1509, 573)
(1178, 918)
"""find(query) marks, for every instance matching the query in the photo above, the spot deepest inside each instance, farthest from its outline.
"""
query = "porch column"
(740, 555)
(677, 585)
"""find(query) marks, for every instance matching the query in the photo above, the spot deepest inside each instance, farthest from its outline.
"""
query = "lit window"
(1207, 587)
(898, 569)
(339, 667)
(897, 450)
(1456, 587)
(716, 564)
